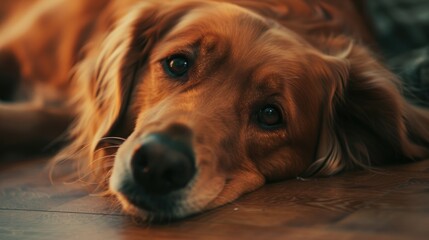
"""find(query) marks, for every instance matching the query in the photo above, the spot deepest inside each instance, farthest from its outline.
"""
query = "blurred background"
(402, 31)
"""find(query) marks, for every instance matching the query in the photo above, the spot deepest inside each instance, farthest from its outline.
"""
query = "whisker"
(112, 140)
(99, 159)
(118, 138)
(107, 147)
(94, 169)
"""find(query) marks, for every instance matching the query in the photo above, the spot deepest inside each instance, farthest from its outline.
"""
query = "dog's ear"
(365, 120)
(106, 75)
(124, 56)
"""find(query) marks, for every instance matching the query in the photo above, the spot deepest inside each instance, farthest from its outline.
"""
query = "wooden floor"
(388, 204)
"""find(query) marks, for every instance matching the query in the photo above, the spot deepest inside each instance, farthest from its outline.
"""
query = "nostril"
(178, 173)
(161, 166)
(139, 164)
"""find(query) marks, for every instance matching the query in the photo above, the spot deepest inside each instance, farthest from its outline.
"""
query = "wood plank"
(383, 204)
(404, 209)
(54, 225)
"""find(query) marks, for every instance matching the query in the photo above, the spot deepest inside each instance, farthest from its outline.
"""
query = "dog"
(183, 106)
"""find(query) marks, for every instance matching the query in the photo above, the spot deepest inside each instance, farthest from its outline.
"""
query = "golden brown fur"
(100, 61)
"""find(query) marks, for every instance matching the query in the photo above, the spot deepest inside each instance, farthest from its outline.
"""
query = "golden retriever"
(177, 107)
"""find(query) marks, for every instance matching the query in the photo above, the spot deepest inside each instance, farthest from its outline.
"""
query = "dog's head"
(215, 100)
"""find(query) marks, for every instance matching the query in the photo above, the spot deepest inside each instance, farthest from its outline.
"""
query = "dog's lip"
(139, 204)
(151, 203)
(154, 216)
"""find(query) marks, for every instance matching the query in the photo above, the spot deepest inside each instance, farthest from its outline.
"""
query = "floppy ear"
(127, 50)
(366, 121)
(106, 77)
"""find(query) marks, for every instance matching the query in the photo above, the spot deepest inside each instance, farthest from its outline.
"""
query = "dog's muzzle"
(160, 172)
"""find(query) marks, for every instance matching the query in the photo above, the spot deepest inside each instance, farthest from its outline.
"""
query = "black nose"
(162, 165)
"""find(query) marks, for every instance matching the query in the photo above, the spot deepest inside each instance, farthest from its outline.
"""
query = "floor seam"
(56, 211)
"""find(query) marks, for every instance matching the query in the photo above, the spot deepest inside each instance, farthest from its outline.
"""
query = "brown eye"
(176, 65)
(269, 116)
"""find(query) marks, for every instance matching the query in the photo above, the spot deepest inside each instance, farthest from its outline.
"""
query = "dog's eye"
(176, 65)
(269, 116)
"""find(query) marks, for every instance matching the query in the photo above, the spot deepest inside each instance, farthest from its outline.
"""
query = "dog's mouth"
(171, 206)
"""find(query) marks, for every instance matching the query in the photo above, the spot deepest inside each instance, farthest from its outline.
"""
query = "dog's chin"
(160, 209)
(144, 212)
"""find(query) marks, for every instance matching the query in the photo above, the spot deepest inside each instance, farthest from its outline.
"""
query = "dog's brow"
(183, 36)
(179, 44)
(270, 83)
(196, 43)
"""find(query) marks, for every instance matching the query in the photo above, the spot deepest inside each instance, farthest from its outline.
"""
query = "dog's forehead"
(256, 47)
(223, 16)
(225, 20)
(242, 29)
